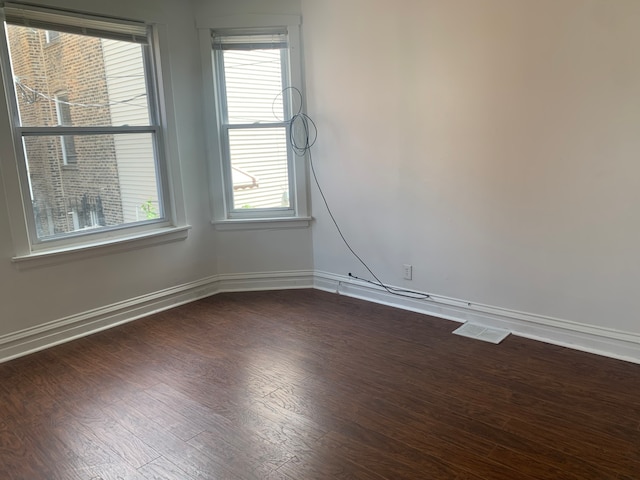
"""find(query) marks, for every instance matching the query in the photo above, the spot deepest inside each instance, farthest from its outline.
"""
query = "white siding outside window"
(125, 76)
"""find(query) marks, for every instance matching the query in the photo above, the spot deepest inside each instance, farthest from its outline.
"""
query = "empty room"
(319, 239)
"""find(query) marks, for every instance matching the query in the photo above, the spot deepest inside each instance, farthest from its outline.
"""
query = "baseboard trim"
(244, 282)
(600, 341)
(66, 329)
(578, 336)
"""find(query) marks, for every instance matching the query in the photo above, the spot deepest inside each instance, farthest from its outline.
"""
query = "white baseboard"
(75, 326)
(578, 336)
(601, 341)
(244, 282)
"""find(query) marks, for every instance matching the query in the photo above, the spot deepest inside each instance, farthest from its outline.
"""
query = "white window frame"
(221, 187)
(14, 168)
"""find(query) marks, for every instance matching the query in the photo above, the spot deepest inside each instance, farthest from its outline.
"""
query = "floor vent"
(486, 334)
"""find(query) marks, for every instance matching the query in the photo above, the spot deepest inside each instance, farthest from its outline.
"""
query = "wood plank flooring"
(298, 385)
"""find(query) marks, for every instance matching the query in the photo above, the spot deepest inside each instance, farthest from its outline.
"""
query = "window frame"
(221, 187)
(14, 167)
(226, 126)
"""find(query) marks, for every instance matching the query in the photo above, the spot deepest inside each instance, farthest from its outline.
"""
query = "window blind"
(250, 41)
(72, 22)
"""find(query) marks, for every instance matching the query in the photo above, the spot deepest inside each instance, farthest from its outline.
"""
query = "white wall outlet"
(408, 271)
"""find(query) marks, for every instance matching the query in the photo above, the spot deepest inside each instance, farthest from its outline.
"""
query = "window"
(253, 72)
(51, 36)
(91, 104)
(67, 144)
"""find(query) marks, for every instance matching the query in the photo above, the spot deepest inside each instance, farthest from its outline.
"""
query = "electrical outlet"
(408, 271)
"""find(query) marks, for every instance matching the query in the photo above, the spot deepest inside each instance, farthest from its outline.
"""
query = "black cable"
(309, 136)
(421, 296)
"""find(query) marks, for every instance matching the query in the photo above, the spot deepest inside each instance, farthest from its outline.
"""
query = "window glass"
(104, 79)
(253, 82)
(117, 172)
(260, 153)
(86, 115)
(67, 142)
(51, 36)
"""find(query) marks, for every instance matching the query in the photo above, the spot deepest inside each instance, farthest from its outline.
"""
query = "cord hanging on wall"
(303, 134)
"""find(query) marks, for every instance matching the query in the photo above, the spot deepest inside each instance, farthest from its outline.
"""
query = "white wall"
(492, 144)
(208, 9)
(33, 297)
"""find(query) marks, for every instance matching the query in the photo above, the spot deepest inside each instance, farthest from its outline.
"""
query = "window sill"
(261, 223)
(103, 247)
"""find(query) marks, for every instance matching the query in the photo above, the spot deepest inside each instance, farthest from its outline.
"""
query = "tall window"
(252, 75)
(90, 103)
(67, 144)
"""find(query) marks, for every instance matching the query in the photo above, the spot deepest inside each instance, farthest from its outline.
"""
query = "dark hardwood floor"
(309, 385)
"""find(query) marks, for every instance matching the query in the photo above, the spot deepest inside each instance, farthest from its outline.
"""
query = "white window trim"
(261, 223)
(172, 228)
(101, 247)
(218, 194)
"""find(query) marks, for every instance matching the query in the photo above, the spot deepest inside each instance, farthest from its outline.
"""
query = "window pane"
(113, 182)
(253, 80)
(103, 80)
(259, 168)
(51, 36)
(68, 149)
